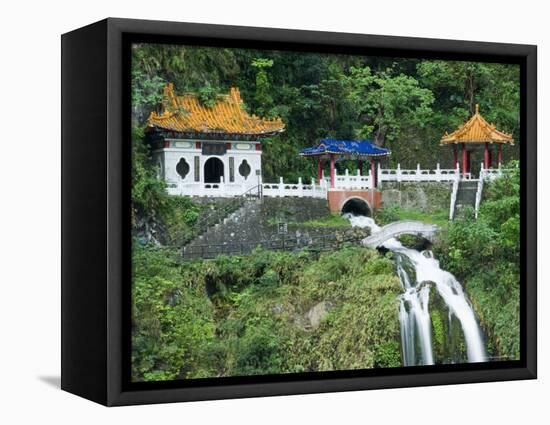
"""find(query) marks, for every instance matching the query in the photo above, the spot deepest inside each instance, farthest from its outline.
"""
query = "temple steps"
(465, 196)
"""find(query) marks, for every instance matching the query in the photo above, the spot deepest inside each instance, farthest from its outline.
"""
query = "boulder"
(317, 313)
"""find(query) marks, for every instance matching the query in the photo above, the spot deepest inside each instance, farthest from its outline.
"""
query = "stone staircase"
(234, 228)
(256, 222)
(465, 196)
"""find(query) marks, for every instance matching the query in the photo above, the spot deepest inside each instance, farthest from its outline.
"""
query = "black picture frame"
(95, 211)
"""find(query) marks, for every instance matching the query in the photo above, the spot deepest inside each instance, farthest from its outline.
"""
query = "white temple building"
(208, 150)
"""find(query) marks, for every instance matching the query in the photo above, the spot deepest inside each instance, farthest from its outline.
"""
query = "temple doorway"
(213, 170)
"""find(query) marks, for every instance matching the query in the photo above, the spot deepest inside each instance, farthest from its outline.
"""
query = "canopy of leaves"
(406, 104)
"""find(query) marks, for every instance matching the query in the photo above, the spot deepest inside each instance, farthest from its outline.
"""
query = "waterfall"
(419, 272)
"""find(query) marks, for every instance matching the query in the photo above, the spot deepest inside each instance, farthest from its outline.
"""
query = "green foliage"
(388, 215)
(485, 255)
(386, 102)
(256, 320)
(146, 90)
(180, 221)
(405, 104)
(332, 220)
(149, 198)
(174, 217)
(263, 98)
(207, 95)
(172, 320)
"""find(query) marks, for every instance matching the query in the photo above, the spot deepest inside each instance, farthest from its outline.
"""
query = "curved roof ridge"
(476, 130)
(350, 148)
(185, 113)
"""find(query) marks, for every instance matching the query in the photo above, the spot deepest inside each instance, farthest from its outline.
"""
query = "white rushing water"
(414, 312)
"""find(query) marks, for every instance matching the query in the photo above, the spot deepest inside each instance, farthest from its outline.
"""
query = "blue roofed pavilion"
(345, 149)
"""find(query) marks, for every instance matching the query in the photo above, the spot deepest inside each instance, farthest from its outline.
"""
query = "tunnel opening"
(356, 206)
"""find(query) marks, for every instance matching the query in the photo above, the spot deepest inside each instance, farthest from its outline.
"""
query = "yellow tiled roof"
(476, 130)
(187, 114)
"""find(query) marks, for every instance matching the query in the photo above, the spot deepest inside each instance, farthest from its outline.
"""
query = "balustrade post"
(332, 171)
(398, 172)
(300, 188)
(281, 187)
(418, 173)
(438, 176)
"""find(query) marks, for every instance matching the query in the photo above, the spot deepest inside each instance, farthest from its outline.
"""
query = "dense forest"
(276, 312)
(405, 105)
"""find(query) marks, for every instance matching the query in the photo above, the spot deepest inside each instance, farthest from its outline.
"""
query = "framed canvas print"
(253, 212)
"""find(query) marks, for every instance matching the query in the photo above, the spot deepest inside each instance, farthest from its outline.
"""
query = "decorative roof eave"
(354, 155)
(186, 114)
(349, 149)
(210, 134)
(476, 131)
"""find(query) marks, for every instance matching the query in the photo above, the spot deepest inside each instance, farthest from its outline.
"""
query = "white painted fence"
(352, 181)
(314, 190)
(221, 189)
(299, 189)
(418, 175)
(490, 174)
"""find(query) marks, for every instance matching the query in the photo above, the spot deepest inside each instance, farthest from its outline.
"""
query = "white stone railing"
(479, 192)
(417, 175)
(454, 192)
(221, 189)
(352, 181)
(489, 173)
(344, 181)
(299, 189)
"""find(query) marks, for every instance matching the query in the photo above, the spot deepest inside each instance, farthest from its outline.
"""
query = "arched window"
(182, 168)
(244, 169)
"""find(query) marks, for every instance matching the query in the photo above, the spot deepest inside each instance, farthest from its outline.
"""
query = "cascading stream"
(414, 314)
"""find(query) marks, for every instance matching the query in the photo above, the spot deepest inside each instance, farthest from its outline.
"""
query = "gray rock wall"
(256, 221)
(424, 196)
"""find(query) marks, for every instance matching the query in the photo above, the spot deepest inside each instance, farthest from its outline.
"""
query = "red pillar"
(373, 173)
(499, 154)
(464, 160)
(486, 156)
(331, 171)
(319, 170)
(455, 156)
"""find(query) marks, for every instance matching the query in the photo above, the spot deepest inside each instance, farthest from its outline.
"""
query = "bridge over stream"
(398, 228)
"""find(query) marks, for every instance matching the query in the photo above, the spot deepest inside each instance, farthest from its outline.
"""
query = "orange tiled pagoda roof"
(186, 114)
(476, 130)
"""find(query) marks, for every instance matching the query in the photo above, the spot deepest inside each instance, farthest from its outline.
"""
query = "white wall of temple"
(235, 181)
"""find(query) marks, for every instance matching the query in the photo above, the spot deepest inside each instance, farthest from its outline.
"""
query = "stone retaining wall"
(424, 196)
